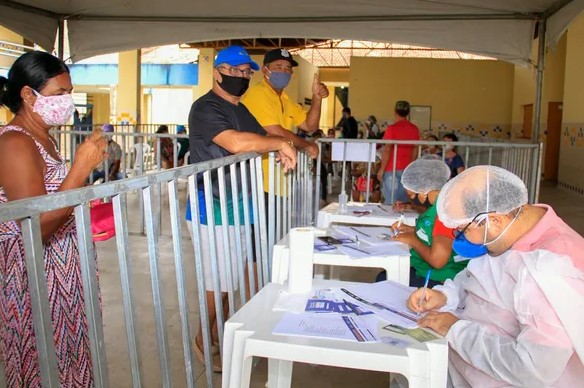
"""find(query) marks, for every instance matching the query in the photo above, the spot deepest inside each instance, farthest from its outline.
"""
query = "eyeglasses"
(457, 234)
(237, 72)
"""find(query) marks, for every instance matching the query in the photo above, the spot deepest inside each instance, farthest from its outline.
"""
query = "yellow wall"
(101, 107)
(334, 75)
(129, 89)
(571, 171)
(206, 59)
(9, 36)
(525, 83)
(461, 93)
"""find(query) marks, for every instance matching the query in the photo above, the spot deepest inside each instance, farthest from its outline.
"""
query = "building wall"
(335, 75)
(525, 83)
(5, 63)
(571, 170)
(101, 107)
(472, 97)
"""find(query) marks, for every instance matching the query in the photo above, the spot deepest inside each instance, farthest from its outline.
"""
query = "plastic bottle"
(343, 198)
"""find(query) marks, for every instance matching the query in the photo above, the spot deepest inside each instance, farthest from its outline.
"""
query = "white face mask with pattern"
(54, 110)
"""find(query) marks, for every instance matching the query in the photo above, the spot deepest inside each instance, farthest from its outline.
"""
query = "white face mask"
(448, 147)
(54, 110)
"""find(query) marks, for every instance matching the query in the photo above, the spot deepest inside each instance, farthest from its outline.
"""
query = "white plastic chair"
(186, 161)
(142, 156)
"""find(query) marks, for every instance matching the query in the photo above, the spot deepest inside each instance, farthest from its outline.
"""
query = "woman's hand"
(92, 152)
(403, 228)
(400, 206)
(433, 300)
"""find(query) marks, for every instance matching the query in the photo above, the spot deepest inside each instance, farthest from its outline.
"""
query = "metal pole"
(61, 39)
(539, 82)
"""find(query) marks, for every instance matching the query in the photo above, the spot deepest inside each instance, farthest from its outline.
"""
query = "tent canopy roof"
(499, 28)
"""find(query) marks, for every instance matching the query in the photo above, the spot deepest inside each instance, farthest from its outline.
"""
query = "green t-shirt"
(424, 227)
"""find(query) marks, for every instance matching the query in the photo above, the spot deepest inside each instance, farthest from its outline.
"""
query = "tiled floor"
(568, 205)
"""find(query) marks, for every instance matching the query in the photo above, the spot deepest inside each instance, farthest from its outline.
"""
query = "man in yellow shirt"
(274, 110)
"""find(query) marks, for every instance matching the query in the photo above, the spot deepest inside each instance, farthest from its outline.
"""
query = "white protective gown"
(521, 322)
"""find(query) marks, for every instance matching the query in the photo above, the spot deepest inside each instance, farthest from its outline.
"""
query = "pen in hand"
(399, 222)
(423, 291)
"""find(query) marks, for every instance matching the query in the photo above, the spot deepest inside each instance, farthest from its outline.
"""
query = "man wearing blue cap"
(221, 126)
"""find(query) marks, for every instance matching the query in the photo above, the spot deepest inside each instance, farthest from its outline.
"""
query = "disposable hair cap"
(425, 175)
(480, 189)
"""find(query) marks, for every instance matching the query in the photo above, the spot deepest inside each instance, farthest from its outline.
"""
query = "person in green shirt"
(429, 239)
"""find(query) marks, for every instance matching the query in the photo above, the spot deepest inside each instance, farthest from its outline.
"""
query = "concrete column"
(205, 83)
(129, 91)
(5, 63)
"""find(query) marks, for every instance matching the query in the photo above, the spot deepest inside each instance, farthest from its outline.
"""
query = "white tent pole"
(539, 81)
(61, 38)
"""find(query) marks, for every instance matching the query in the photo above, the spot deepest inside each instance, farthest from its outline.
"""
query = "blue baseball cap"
(235, 56)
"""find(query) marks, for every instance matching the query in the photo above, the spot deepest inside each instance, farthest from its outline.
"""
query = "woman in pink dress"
(38, 92)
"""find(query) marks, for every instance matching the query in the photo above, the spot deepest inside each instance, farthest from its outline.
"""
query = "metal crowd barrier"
(522, 159)
(229, 179)
(68, 141)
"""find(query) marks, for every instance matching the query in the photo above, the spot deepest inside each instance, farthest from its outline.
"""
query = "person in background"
(220, 125)
(401, 129)
(360, 185)
(452, 159)
(166, 148)
(324, 161)
(430, 241)
(514, 316)
(184, 145)
(350, 128)
(279, 115)
(371, 128)
(275, 111)
(113, 160)
(38, 92)
(433, 149)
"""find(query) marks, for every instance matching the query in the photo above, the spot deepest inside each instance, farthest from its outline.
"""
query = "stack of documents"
(364, 241)
(352, 313)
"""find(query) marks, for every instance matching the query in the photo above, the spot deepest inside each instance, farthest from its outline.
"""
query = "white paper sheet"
(359, 251)
(386, 299)
(334, 326)
(374, 235)
(291, 302)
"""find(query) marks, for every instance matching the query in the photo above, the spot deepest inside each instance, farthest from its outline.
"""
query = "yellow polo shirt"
(269, 108)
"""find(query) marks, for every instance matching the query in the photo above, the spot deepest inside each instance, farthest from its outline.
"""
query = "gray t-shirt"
(115, 153)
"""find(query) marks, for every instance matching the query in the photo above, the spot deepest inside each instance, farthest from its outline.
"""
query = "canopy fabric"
(503, 29)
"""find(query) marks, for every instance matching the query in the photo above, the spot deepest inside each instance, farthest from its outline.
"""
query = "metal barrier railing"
(233, 182)
(133, 145)
(522, 159)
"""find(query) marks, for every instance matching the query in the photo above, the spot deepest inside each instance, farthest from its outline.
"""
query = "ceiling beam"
(302, 19)
(555, 8)
(30, 9)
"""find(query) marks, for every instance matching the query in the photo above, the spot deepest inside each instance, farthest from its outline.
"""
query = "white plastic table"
(382, 215)
(248, 333)
(397, 266)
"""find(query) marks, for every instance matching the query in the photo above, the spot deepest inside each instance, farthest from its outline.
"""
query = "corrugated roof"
(338, 53)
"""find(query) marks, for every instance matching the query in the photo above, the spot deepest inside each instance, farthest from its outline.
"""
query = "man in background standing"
(275, 111)
(401, 129)
(349, 125)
